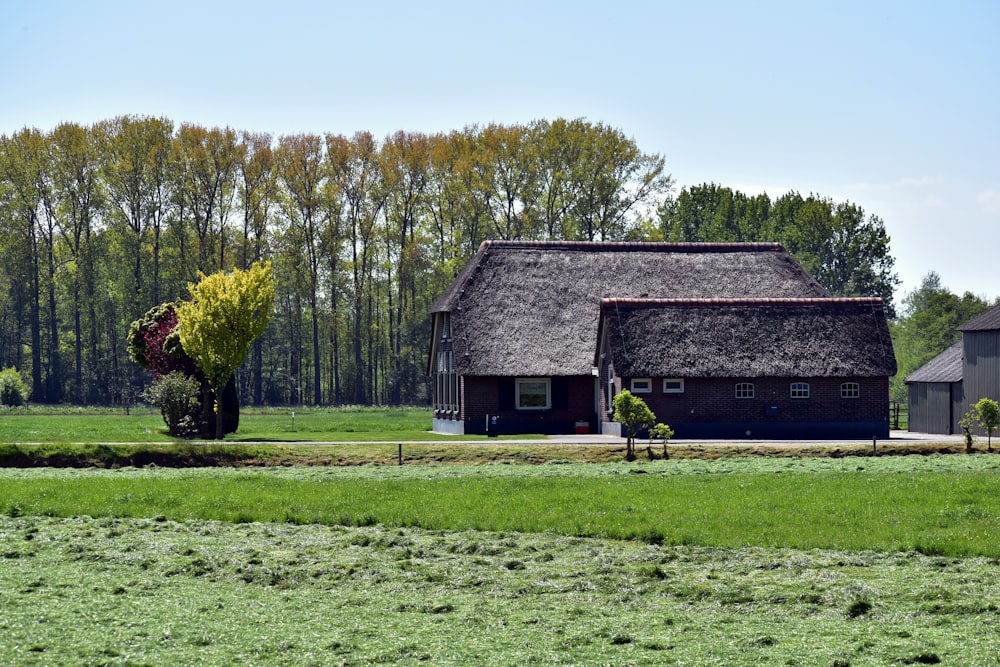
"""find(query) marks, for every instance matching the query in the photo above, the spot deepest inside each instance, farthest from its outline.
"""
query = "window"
(642, 385)
(534, 393)
(800, 390)
(673, 386)
(445, 327)
(850, 390)
(446, 382)
(744, 390)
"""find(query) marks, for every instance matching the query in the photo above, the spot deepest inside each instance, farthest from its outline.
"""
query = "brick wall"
(481, 397)
(710, 400)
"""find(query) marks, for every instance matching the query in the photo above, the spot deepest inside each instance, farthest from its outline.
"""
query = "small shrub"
(177, 397)
(660, 432)
(967, 422)
(12, 390)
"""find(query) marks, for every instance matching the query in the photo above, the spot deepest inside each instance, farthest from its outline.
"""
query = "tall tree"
(137, 154)
(612, 178)
(357, 174)
(711, 212)
(846, 250)
(458, 215)
(258, 194)
(208, 162)
(300, 160)
(559, 145)
(406, 160)
(22, 163)
(76, 179)
(507, 165)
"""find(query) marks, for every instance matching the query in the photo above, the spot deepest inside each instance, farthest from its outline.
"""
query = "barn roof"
(532, 308)
(988, 321)
(945, 367)
(748, 337)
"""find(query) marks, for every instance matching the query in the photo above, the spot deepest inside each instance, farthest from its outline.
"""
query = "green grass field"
(849, 561)
(44, 424)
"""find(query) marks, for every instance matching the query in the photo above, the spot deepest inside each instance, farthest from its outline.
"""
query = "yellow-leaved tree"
(227, 313)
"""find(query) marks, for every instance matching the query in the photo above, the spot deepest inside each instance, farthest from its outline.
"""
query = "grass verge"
(62, 424)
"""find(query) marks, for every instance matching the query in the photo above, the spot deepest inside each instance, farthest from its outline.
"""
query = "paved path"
(895, 438)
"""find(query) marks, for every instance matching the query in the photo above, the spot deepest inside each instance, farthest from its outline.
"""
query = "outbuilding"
(944, 389)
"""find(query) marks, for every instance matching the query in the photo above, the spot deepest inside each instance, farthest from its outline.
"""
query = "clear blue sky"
(892, 105)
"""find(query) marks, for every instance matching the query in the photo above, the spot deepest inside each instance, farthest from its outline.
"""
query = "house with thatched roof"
(941, 391)
(759, 368)
(514, 340)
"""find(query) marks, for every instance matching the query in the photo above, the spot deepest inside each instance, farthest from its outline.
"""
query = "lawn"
(44, 424)
(850, 561)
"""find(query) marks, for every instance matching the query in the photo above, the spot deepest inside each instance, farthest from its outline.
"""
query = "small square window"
(850, 390)
(534, 394)
(673, 386)
(642, 385)
(744, 390)
(800, 390)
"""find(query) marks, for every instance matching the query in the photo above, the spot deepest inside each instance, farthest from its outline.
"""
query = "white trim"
(670, 390)
(799, 390)
(850, 390)
(745, 386)
(548, 393)
(647, 389)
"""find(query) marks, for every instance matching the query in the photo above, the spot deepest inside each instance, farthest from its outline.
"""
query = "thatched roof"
(748, 337)
(945, 367)
(532, 308)
(988, 321)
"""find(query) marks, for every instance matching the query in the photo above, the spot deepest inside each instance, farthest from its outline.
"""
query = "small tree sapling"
(988, 414)
(632, 413)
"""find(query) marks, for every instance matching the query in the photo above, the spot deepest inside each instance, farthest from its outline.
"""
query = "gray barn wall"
(981, 375)
(931, 407)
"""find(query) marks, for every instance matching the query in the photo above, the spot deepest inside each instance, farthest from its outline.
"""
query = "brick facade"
(572, 402)
(709, 407)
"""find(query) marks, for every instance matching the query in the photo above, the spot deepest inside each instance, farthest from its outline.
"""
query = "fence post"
(400, 453)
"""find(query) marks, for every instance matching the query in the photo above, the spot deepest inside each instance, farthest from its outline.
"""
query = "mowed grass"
(157, 592)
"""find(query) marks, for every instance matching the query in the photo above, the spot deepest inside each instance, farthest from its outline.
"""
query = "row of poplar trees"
(99, 223)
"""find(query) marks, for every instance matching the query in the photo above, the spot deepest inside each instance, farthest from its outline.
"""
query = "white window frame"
(745, 390)
(519, 382)
(850, 390)
(642, 385)
(800, 390)
(678, 390)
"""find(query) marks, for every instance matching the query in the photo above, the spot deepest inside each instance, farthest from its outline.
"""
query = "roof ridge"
(750, 301)
(631, 246)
